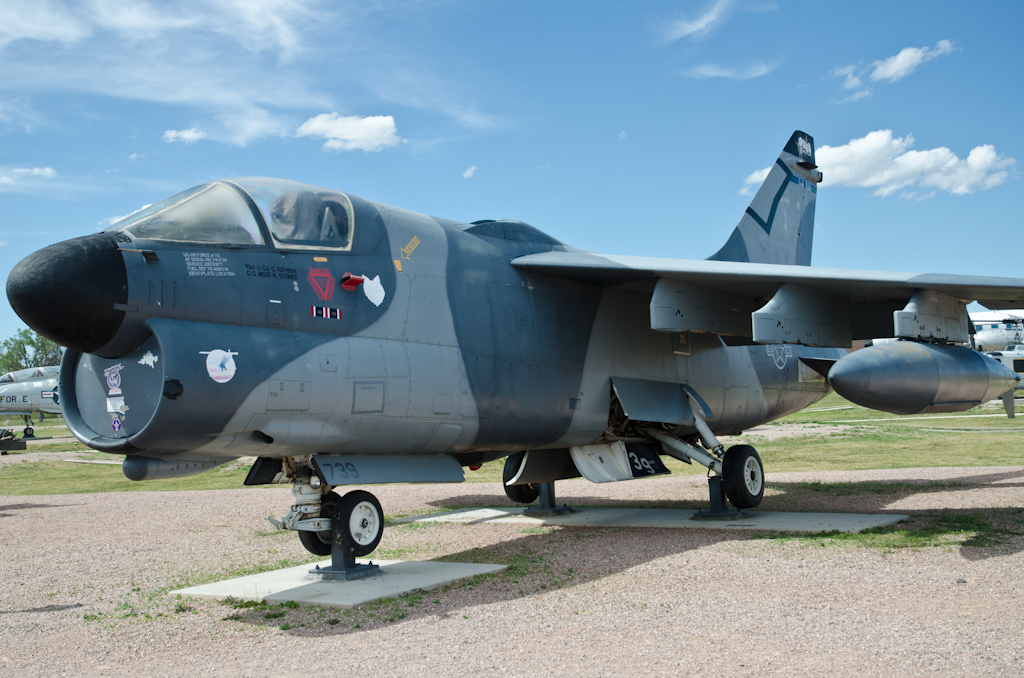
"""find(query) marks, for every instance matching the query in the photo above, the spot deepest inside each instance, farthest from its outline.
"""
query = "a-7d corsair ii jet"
(342, 341)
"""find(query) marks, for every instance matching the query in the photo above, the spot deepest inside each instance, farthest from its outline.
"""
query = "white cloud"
(890, 70)
(886, 163)
(906, 62)
(352, 133)
(622, 135)
(700, 26)
(468, 174)
(754, 180)
(246, 68)
(47, 172)
(852, 79)
(857, 96)
(754, 70)
(25, 178)
(110, 221)
(186, 136)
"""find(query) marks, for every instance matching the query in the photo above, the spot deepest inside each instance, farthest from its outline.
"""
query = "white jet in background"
(25, 392)
(995, 330)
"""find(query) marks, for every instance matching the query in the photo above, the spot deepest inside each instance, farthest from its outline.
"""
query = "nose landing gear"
(343, 527)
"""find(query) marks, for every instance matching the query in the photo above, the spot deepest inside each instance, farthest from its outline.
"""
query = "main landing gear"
(28, 431)
(344, 527)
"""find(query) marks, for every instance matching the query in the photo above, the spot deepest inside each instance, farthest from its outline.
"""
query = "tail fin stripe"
(767, 225)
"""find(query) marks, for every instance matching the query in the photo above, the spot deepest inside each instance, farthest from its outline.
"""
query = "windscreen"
(301, 216)
(213, 213)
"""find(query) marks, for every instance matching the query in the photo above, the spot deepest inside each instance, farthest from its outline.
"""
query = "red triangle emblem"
(322, 283)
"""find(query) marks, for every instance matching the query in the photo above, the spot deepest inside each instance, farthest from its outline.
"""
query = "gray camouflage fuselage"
(465, 354)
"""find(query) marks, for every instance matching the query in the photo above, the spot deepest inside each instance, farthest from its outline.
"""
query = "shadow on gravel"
(539, 562)
(45, 608)
(22, 507)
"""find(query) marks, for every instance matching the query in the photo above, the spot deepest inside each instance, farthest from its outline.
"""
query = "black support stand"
(547, 503)
(718, 510)
(344, 567)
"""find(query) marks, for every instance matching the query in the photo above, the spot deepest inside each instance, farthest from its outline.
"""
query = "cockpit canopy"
(296, 215)
(30, 373)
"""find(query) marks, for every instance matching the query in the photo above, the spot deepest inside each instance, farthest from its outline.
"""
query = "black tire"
(358, 523)
(29, 432)
(743, 476)
(521, 494)
(319, 543)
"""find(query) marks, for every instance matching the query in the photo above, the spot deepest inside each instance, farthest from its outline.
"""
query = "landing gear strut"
(29, 431)
(344, 527)
(736, 473)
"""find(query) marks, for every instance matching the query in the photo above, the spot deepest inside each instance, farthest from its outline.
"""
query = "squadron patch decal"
(113, 375)
(220, 365)
(322, 282)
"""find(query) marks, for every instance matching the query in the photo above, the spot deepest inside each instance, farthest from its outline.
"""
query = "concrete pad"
(296, 584)
(627, 517)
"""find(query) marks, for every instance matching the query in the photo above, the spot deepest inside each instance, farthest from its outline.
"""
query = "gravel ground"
(83, 581)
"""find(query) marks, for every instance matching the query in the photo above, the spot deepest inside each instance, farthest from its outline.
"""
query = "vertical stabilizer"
(778, 227)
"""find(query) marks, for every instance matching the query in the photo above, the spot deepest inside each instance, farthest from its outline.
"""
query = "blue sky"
(629, 128)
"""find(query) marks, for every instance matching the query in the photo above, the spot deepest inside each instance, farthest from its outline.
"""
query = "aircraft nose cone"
(66, 292)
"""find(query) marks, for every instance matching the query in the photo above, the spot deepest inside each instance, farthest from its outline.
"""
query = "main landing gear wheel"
(743, 476)
(319, 543)
(29, 432)
(521, 494)
(358, 523)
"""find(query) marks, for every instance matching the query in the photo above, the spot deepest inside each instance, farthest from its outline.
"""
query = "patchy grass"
(60, 477)
(972, 529)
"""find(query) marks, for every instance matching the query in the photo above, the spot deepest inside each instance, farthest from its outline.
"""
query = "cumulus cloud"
(351, 132)
(186, 136)
(886, 163)
(889, 70)
(468, 174)
(754, 70)
(754, 181)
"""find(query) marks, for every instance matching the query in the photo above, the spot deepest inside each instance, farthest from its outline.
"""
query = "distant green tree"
(28, 349)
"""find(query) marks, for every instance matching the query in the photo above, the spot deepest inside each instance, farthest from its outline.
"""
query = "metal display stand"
(718, 511)
(547, 505)
(344, 567)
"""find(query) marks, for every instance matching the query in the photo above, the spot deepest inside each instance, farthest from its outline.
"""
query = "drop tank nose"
(67, 292)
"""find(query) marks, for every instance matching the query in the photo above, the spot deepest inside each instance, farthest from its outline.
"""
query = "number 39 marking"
(640, 464)
(346, 470)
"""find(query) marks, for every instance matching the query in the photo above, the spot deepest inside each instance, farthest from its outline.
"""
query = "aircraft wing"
(717, 296)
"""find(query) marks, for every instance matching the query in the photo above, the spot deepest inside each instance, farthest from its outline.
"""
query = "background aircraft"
(995, 330)
(25, 392)
(343, 341)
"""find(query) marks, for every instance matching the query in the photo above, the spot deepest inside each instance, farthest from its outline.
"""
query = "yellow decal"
(319, 258)
(398, 265)
(408, 249)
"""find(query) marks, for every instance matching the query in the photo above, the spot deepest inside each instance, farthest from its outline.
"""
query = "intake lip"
(67, 292)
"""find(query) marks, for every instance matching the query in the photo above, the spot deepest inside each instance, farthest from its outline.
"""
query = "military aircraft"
(25, 392)
(995, 330)
(342, 341)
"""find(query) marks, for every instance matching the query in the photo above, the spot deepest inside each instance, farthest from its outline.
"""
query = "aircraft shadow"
(22, 507)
